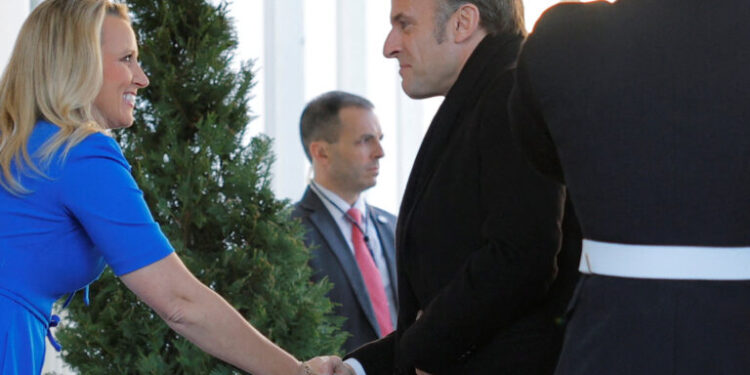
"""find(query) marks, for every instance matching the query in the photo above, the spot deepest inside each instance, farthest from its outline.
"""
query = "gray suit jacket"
(332, 258)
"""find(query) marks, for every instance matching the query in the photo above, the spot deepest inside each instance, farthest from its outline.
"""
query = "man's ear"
(465, 22)
(319, 151)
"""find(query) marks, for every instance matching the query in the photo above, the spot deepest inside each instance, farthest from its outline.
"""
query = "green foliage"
(213, 200)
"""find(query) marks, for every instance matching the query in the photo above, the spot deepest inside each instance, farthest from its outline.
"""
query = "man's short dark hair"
(320, 118)
(496, 16)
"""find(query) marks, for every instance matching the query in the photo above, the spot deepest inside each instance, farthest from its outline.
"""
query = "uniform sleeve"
(98, 190)
(528, 126)
(527, 121)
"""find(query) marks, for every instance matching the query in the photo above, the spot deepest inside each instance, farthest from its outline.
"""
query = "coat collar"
(493, 53)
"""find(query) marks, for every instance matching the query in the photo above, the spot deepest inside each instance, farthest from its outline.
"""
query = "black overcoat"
(477, 240)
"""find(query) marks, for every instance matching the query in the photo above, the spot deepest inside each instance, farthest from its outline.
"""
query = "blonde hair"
(54, 73)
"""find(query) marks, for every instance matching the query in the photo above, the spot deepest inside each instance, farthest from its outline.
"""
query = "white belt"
(665, 262)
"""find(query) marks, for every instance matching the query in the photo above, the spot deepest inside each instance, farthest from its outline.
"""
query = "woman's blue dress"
(87, 212)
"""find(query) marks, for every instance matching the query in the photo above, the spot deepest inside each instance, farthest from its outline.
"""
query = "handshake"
(325, 365)
(332, 365)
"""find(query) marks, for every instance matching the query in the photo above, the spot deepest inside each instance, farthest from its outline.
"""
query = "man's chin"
(368, 185)
(415, 92)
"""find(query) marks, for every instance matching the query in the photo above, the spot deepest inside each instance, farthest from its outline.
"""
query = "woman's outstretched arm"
(202, 316)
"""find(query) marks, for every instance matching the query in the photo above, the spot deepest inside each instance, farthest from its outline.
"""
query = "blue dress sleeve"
(98, 190)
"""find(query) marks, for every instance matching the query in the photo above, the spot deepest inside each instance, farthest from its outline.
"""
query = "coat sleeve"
(512, 270)
(376, 357)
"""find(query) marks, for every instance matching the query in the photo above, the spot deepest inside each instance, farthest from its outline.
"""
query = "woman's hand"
(325, 365)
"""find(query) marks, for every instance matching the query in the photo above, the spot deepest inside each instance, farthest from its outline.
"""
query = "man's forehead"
(356, 114)
(359, 120)
(409, 8)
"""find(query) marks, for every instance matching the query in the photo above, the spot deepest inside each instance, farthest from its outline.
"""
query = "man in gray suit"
(353, 242)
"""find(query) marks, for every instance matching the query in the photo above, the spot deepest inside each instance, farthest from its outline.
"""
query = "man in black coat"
(341, 136)
(641, 108)
(479, 230)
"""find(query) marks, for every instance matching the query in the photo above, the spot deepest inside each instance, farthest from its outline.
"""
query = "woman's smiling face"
(122, 74)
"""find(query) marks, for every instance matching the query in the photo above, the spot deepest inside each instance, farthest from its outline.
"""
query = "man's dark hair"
(496, 16)
(320, 118)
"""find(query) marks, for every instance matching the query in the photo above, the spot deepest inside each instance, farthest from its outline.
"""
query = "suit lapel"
(329, 230)
(388, 243)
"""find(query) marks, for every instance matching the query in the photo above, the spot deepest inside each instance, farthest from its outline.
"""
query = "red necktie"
(371, 275)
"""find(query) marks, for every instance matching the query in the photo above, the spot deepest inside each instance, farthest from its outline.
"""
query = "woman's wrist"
(304, 369)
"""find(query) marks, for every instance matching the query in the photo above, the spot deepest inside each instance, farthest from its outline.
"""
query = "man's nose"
(379, 152)
(392, 44)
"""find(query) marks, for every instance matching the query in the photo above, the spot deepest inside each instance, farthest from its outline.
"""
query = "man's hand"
(344, 369)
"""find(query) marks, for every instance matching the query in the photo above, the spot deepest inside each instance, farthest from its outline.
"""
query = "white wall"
(12, 15)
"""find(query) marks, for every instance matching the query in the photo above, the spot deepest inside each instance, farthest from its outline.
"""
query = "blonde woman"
(68, 204)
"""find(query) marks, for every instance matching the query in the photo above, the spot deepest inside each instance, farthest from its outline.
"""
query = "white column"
(351, 38)
(412, 124)
(12, 15)
(284, 99)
